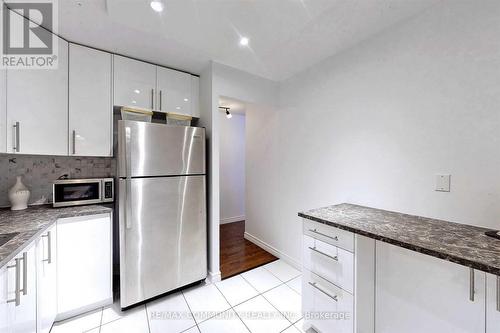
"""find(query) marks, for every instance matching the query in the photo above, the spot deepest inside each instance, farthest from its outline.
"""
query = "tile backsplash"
(40, 171)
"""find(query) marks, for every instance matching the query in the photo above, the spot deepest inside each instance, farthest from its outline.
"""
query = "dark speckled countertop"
(459, 243)
(32, 222)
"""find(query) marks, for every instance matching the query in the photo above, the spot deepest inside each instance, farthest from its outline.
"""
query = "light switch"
(443, 183)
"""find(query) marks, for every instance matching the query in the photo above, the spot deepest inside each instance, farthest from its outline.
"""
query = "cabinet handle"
(17, 292)
(471, 284)
(74, 142)
(25, 273)
(498, 293)
(336, 258)
(152, 99)
(17, 140)
(160, 100)
(128, 185)
(49, 247)
(314, 285)
(335, 238)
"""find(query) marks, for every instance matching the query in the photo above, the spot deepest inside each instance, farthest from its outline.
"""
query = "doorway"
(237, 254)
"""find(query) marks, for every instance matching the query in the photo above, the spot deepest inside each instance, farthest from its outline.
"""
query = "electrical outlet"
(443, 183)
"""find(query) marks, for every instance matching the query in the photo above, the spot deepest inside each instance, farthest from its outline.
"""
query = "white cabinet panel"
(22, 316)
(174, 91)
(492, 304)
(46, 261)
(3, 111)
(418, 293)
(329, 308)
(4, 308)
(90, 105)
(38, 101)
(195, 96)
(134, 83)
(331, 235)
(84, 264)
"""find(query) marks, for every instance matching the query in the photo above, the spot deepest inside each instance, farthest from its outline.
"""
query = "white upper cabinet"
(3, 111)
(174, 91)
(134, 83)
(492, 304)
(195, 96)
(37, 108)
(90, 102)
(418, 293)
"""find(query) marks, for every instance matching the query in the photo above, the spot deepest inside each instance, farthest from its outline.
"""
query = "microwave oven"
(75, 192)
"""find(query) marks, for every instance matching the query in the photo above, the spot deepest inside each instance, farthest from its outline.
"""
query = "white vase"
(19, 195)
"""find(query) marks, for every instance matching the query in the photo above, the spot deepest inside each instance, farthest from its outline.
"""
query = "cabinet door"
(90, 105)
(46, 258)
(84, 264)
(134, 83)
(23, 315)
(37, 100)
(195, 96)
(4, 307)
(492, 304)
(417, 293)
(3, 111)
(174, 91)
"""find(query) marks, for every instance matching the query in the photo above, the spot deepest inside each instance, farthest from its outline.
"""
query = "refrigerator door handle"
(128, 180)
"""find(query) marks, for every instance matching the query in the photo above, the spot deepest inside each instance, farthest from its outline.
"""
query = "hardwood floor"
(238, 255)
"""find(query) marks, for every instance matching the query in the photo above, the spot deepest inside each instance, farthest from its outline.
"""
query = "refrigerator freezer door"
(160, 150)
(163, 245)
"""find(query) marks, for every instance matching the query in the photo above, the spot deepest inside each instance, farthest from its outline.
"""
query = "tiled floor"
(265, 299)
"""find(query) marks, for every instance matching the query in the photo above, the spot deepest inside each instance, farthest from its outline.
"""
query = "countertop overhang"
(33, 222)
(463, 244)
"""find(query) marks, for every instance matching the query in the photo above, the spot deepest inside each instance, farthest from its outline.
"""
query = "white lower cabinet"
(84, 270)
(21, 292)
(418, 293)
(337, 282)
(46, 257)
(492, 303)
(4, 307)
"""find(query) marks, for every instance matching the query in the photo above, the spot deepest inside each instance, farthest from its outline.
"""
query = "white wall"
(232, 167)
(375, 124)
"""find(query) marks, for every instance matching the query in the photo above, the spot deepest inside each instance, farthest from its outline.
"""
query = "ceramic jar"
(19, 195)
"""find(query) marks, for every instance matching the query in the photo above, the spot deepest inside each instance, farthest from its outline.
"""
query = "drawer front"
(326, 307)
(331, 235)
(330, 262)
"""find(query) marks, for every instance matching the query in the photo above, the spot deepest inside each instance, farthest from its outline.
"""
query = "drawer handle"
(336, 258)
(335, 238)
(314, 285)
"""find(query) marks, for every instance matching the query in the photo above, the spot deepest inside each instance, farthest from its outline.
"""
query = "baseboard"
(273, 250)
(84, 309)
(214, 277)
(232, 219)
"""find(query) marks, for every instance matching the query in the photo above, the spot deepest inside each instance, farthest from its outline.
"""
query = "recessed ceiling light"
(157, 6)
(244, 41)
(137, 91)
(178, 107)
(185, 99)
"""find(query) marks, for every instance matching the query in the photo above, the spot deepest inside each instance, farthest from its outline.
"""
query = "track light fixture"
(228, 114)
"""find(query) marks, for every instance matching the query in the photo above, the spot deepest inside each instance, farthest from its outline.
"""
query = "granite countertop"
(459, 243)
(34, 221)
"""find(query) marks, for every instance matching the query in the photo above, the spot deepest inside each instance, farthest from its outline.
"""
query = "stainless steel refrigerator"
(162, 209)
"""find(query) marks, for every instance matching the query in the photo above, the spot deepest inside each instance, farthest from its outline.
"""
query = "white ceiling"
(286, 36)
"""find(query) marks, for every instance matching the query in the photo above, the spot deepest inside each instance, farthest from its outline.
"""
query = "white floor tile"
(296, 284)
(95, 330)
(299, 326)
(131, 322)
(291, 329)
(114, 312)
(282, 270)
(287, 301)
(192, 330)
(261, 317)
(205, 302)
(236, 290)
(82, 323)
(261, 279)
(169, 314)
(226, 322)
